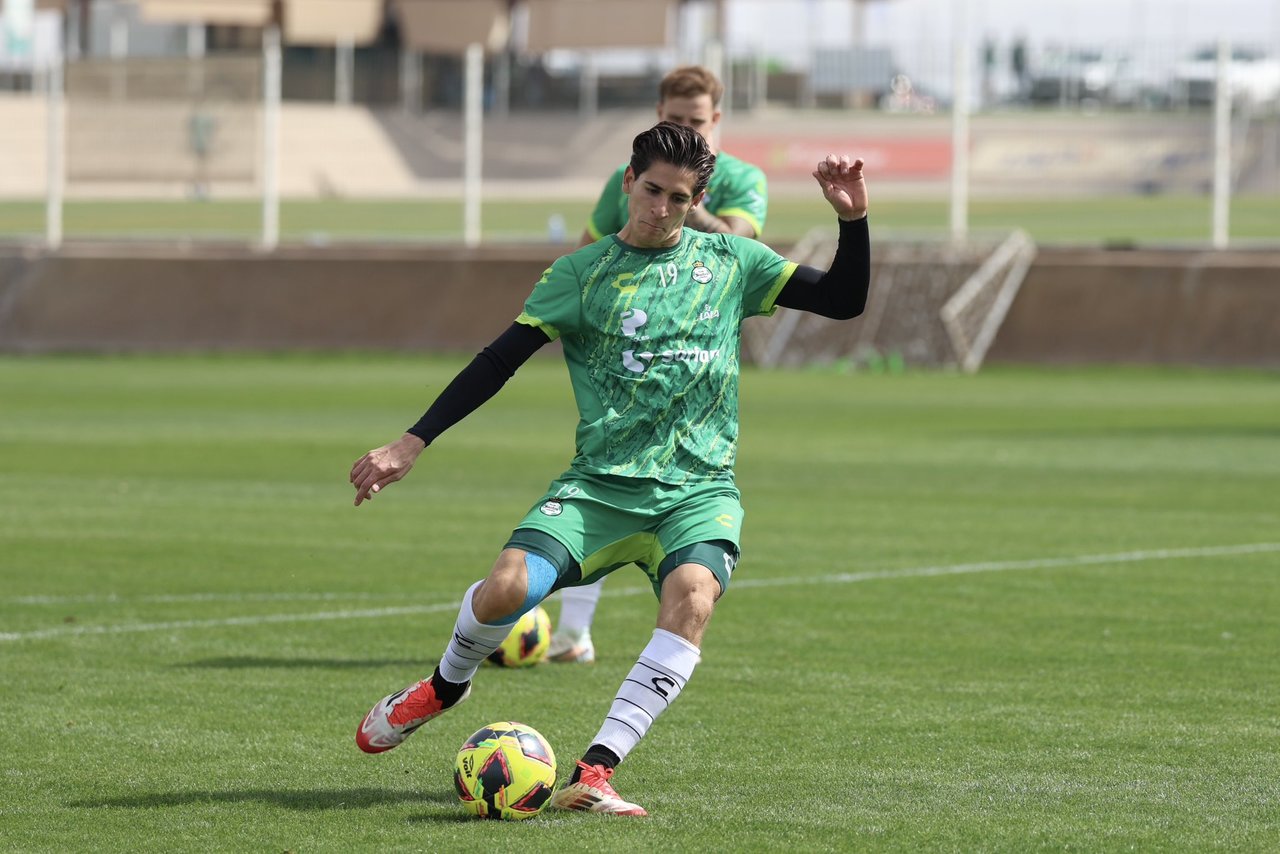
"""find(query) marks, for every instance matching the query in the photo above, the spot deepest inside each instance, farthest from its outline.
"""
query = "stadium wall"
(1145, 307)
(205, 299)
(1075, 306)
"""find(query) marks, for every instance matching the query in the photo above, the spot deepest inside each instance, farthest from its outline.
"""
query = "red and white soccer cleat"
(398, 715)
(592, 793)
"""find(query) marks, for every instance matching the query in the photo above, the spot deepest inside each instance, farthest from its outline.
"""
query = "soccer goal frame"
(932, 304)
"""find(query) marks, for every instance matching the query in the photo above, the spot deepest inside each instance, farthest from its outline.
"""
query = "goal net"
(931, 304)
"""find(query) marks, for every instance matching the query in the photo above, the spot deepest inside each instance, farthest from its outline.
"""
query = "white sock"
(578, 608)
(653, 684)
(471, 643)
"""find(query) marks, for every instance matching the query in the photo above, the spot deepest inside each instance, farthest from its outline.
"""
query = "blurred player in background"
(737, 197)
(650, 319)
(736, 202)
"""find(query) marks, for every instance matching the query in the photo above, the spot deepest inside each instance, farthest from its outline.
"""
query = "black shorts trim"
(719, 556)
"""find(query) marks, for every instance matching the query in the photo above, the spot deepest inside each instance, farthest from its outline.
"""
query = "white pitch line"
(1006, 565)
(749, 583)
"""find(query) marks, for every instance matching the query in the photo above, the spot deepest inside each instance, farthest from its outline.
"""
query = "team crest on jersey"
(701, 273)
(551, 508)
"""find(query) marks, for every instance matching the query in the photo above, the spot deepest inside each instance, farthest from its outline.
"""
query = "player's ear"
(628, 180)
(697, 200)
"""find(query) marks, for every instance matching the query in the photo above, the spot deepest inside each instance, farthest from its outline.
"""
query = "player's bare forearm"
(703, 220)
(843, 185)
(738, 225)
(385, 465)
(698, 218)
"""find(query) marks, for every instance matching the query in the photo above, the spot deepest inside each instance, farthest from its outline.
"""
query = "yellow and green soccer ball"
(506, 770)
(528, 642)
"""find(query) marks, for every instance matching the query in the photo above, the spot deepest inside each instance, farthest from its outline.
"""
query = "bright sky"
(1185, 23)
(1155, 33)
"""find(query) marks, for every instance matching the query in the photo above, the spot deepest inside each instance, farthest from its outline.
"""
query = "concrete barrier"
(1080, 306)
(206, 299)
(1075, 306)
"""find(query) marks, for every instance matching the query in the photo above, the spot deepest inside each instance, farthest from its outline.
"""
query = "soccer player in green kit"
(735, 202)
(650, 322)
(736, 197)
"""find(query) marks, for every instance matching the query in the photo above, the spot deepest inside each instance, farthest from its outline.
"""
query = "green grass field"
(1118, 220)
(1022, 610)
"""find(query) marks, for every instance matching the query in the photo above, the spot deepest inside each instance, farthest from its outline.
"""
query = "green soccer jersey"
(736, 189)
(651, 339)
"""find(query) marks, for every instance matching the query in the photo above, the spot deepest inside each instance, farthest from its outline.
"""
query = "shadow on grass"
(457, 814)
(295, 799)
(240, 662)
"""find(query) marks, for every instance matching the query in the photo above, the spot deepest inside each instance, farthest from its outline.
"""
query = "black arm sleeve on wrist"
(480, 380)
(841, 292)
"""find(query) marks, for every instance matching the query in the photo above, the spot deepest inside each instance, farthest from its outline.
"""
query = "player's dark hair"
(690, 81)
(680, 146)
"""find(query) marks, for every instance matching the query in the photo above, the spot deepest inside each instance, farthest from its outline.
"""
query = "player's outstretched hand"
(384, 465)
(843, 186)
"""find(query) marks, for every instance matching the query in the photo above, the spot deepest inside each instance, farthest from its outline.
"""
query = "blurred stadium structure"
(511, 99)
(165, 96)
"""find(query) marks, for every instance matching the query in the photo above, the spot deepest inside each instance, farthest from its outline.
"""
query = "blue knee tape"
(541, 575)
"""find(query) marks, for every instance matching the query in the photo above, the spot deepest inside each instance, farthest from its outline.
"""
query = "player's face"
(658, 201)
(697, 112)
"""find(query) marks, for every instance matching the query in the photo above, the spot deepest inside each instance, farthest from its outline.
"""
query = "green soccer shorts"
(601, 523)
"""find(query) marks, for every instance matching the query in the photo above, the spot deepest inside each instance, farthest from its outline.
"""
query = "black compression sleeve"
(480, 380)
(840, 292)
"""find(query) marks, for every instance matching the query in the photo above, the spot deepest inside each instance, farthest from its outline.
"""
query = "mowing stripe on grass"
(173, 598)
(749, 583)
(258, 619)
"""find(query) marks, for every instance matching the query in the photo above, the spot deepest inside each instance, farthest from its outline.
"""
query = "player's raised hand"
(843, 186)
(384, 465)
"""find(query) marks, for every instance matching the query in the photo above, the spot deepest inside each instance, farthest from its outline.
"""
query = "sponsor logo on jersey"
(701, 273)
(551, 508)
(640, 362)
(632, 320)
(632, 363)
(725, 519)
